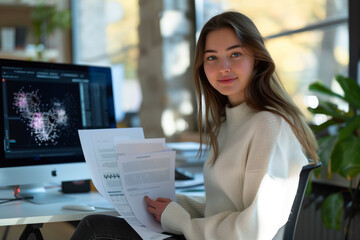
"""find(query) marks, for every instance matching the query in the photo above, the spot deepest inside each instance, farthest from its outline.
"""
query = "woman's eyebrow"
(234, 46)
(209, 51)
(227, 49)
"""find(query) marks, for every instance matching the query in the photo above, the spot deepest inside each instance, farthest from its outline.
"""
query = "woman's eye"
(237, 54)
(210, 58)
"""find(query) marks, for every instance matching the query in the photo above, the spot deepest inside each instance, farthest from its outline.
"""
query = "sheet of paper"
(101, 159)
(150, 174)
(136, 146)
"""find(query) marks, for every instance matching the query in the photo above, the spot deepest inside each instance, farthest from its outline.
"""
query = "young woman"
(258, 138)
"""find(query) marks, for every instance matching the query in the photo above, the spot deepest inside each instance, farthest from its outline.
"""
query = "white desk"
(34, 216)
(23, 212)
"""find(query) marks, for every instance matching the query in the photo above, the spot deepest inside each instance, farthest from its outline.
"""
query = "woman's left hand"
(156, 207)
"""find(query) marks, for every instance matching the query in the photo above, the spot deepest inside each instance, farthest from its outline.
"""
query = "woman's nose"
(224, 65)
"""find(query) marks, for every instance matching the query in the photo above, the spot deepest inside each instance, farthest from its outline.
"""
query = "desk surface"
(23, 212)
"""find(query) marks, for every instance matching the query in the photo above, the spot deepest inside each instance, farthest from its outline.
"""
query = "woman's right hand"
(157, 207)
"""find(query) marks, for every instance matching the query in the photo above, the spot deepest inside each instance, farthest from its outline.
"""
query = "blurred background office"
(150, 47)
(150, 44)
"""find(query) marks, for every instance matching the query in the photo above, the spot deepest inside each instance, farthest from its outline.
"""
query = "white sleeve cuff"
(174, 218)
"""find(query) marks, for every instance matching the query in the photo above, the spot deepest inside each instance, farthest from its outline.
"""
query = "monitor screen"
(42, 107)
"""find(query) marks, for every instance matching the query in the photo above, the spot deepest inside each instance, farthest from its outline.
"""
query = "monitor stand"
(39, 195)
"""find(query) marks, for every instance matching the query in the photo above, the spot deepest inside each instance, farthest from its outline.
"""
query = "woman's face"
(227, 64)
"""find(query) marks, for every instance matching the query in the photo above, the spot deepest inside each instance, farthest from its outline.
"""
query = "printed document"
(147, 175)
(124, 167)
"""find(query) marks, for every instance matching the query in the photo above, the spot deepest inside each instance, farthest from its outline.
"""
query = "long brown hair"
(264, 93)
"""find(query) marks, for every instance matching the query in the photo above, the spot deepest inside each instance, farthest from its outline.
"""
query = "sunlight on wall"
(341, 55)
(186, 107)
(180, 105)
(178, 61)
(168, 123)
(172, 23)
(181, 125)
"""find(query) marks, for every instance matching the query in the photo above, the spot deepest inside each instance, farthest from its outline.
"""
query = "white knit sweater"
(251, 187)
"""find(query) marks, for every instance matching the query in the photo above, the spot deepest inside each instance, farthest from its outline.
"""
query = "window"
(105, 33)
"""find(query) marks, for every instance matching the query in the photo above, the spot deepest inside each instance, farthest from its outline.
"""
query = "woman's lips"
(227, 80)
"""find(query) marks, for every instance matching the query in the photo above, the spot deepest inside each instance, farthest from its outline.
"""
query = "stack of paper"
(125, 167)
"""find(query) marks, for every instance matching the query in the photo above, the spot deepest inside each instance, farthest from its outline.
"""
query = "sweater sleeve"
(194, 205)
(274, 162)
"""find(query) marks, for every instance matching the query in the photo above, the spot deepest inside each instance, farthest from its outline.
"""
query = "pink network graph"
(44, 121)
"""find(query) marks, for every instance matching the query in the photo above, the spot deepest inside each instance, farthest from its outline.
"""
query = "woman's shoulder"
(268, 119)
(274, 126)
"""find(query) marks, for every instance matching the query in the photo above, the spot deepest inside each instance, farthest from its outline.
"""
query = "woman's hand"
(156, 207)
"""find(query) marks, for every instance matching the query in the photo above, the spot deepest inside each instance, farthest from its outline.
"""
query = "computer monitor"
(42, 107)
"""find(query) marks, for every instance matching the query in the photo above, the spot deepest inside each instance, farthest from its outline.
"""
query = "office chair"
(288, 231)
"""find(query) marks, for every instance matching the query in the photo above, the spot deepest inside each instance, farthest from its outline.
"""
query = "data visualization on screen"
(43, 105)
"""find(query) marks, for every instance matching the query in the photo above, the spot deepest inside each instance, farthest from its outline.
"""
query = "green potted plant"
(339, 150)
(45, 19)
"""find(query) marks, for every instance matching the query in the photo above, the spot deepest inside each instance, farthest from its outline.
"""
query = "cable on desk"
(5, 200)
(16, 192)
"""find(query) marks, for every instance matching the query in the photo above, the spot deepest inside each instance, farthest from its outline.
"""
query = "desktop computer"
(42, 107)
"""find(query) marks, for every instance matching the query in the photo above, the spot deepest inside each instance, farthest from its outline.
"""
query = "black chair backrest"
(290, 226)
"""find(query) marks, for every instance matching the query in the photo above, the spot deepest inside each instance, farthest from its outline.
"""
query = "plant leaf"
(329, 109)
(345, 157)
(332, 211)
(325, 125)
(351, 125)
(326, 146)
(351, 90)
(321, 88)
